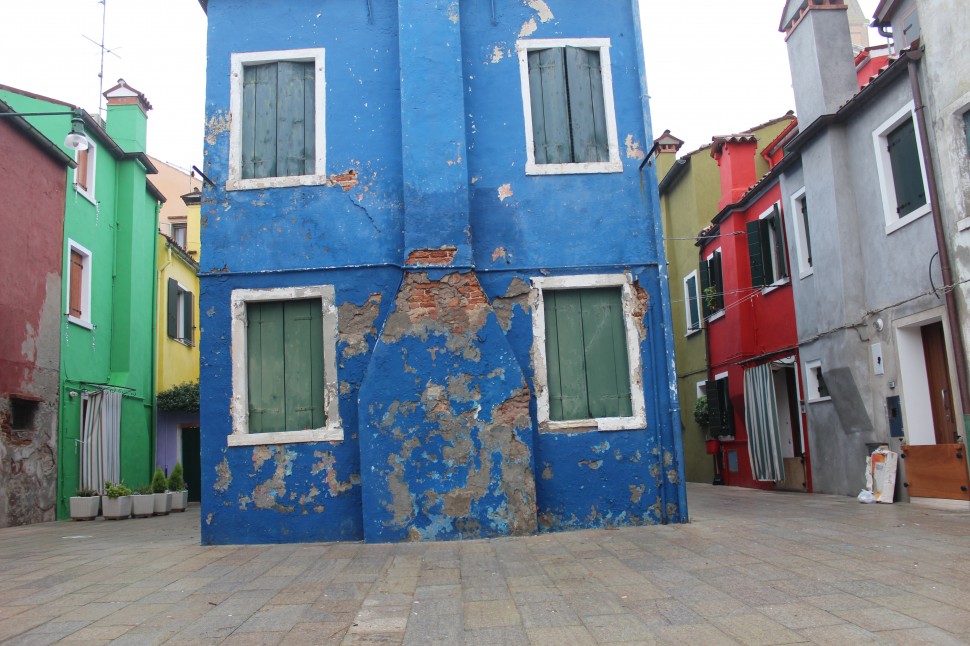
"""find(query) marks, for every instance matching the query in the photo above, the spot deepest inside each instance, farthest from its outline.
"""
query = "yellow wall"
(177, 362)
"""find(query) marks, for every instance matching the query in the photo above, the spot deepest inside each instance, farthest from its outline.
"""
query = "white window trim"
(784, 280)
(884, 168)
(92, 151)
(638, 420)
(720, 313)
(700, 314)
(85, 320)
(240, 436)
(180, 306)
(237, 62)
(801, 243)
(701, 387)
(614, 165)
(811, 383)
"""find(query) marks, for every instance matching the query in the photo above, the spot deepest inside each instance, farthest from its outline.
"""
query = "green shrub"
(182, 397)
(700, 412)
(84, 492)
(116, 490)
(176, 481)
(143, 490)
(159, 481)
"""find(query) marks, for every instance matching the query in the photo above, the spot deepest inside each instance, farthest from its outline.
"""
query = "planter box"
(180, 500)
(142, 506)
(117, 508)
(85, 507)
(163, 503)
(712, 446)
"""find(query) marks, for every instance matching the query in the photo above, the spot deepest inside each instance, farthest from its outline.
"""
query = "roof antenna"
(104, 15)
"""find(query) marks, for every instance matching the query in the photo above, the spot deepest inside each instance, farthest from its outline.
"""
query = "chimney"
(735, 160)
(665, 148)
(820, 56)
(127, 121)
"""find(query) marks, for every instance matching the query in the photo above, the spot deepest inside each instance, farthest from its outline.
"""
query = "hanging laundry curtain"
(101, 440)
(761, 420)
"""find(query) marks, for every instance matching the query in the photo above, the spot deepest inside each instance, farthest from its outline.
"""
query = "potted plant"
(701, 416)
(163, 497)
(85, 504)
(142, 502)
(176, 484)
(116, 501)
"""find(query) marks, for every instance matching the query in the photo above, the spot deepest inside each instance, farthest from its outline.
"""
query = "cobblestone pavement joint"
(752, 568)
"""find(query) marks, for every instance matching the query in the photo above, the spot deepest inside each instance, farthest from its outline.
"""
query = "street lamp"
(75, 139)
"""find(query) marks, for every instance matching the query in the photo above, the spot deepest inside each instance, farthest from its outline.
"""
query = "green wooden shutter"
(550, 119)
(780, 259)
(604, 347)
(717, 281)
(171, 310)
(303, 359)
(309, 118)
(706, 301)
(693, 311)
(187, 322)
(265, 162)
(806, 228)
(587, 116)
(572, 397)
(907, 176)
(714, 419)
(248, 116)
(755, 255)
(966, 128)
(290, 119)
(264, 343)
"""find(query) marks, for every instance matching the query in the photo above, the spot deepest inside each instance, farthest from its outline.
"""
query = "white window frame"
(772, 248)
(720, 313)
(811, 383)
(701, 387)
(184, 228)
(637, 421)
(240, 60)
(333, 431)
(801, 240)
(884, 168)
(180, 306)
(614, 165)
(691, 331)
(85, 319)
(92, 152)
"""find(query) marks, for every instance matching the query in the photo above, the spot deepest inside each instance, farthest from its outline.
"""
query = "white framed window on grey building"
(277, 135)
(766, 249)
(902, 172)
(567, 99)
(284, 366)
(692, 304)
(815, 387)
(803, 233)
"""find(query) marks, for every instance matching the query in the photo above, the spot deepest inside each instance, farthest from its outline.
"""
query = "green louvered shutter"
(706, 301)
(755, 255)
(278, 124)
(693, 311)
(550, 119)
(907, 176)
(264, 345)
(714, 420)
(780, 259)
(187, 322)
(309, 119)
(604, 344)
(586, 108)
(717, 281)
(568, 398)
(806, 228)
(171, 309)
(291, 119)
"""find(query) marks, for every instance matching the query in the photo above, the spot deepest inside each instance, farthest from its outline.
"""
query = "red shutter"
(81, 172)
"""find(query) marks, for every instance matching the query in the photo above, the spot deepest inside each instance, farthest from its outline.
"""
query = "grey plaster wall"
(820, 56)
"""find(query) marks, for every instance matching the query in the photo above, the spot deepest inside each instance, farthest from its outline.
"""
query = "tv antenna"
(104, 50)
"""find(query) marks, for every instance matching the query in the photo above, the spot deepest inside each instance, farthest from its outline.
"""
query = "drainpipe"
(956, 336)
(154, 341)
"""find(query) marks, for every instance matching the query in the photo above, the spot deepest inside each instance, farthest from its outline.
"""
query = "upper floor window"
(84, 173)
(766, 249)
(803, 233)
(712, 285)
(902, 175)
(277, 133)
(79, 285)
(179, 312)
(966, 129)
(815, 387)
(567, 94)
(692, 304)
(178, 234)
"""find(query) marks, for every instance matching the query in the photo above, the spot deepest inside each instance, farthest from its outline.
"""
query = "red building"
(33, 182)
(753, 390)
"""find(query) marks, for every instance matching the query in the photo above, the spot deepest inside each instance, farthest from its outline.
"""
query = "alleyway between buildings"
(752, 568)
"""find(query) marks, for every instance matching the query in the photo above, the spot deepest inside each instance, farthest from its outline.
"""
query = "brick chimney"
(666, 147)
(127, 121)
(734, 155)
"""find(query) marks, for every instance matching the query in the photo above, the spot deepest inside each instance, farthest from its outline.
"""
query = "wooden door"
(938, 378)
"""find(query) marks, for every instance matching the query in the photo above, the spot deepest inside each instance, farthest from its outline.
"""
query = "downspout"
(154, 341)
(956, 336)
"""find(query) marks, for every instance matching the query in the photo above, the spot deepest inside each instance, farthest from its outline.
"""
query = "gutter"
(53, 150)
(673, 175)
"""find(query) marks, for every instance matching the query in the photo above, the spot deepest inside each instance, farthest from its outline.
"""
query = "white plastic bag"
(866, 497)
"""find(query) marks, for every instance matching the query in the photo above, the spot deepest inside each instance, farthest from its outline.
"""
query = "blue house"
(433, 294)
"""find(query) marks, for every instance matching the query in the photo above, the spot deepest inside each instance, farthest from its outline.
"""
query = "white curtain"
(761, 420)
(100, 440)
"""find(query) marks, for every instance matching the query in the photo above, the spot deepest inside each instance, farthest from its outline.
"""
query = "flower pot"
(163, 503)
(712, 446)
(180, 500)
(85, 507)
(142, 506)
(117, 508)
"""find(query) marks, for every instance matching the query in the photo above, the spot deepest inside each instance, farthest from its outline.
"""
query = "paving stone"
(490, 613)
(560, 636)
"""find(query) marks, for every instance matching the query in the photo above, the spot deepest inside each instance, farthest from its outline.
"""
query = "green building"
(107, 295)
(690, 189)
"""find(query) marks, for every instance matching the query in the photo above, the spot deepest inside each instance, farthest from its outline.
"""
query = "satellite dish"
(76, 141)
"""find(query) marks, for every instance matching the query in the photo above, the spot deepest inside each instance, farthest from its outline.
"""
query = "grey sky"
(713, 67)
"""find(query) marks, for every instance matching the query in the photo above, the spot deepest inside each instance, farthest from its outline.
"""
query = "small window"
(22, 413)
(803, 233)
(712, 285)
(586, 348)
(966, 129)
(178, 234)
(901, 171)
(567, 98)
(815, 388)
(692, 304)
(277, 134)
(180, 305)
(284, 374)
(78, 308)
(720, 416)
(766, 249)
(84, 173)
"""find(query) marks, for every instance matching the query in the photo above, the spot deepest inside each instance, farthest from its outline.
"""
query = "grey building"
(881, 355)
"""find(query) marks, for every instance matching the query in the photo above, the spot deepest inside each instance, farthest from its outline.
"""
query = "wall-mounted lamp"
(75, 139)
(878, 325)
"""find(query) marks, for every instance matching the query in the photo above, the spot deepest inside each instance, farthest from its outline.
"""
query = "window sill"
(326, 434)
(912, 217)
(275, 182)
(715, 316)
(532, 168)
(775, 285)
(187, 344)
(88, 195)
(820, 399)
(805, 274)
(693, 332)
(635, 423)
(80, 322)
